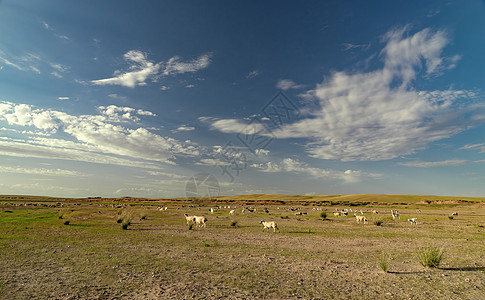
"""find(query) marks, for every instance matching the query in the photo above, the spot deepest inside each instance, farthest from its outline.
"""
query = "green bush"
(125, 224)
(430, 256)
(323, 215)
(378, 222)
(384, 262)
(67, 222)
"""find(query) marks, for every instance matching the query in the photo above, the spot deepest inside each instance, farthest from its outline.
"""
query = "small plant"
(378, 222)
(205, 244)
(384, 262)
(143, 217)
(119, 220)
(234, 223)
(191, 226)
(125, 224)
(451, 217)
(61, 216)
(67, 222)
(430, 256)
(323, 215)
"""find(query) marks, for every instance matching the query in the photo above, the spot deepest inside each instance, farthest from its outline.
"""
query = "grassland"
(158, 257)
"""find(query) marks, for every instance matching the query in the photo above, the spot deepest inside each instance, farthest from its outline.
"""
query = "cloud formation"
(97, 138)
(379, 115)
(141, 69)
(295, 166)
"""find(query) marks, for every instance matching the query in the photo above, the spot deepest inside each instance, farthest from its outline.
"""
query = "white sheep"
(395, 214)
(336, 213)
(413, 221)
(361, 219)
(189, 218)
(454, 214)
(199, 221)
(268, 225)
(232, 212)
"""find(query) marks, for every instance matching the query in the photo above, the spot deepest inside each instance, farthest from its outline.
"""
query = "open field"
(159, 257)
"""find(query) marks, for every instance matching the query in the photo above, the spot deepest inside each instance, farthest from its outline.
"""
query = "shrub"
(430, 256)
(205, 244)
(67, 222)
(378, 222)
(119, 220)
(143, 217)
(451, 217)
(125, 224)
(234, 223)
(384, 262)
(323, 215)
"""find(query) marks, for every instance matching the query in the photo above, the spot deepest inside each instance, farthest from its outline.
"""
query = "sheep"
(336, 214)
(212, 210)
(361, 219)
(268, 225)
(199, 221)
(189, 218)
(232, 212)
(413, 221)
(395, 214)
(454, 214)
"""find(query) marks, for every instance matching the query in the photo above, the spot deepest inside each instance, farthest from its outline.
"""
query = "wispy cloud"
(380, 115)
(295, 166)
(141, 69)
(286, 84)
(175, 66)
(253, 74)
(40, 171)
(430, 164)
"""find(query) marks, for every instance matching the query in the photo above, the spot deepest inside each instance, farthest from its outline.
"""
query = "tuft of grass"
(67, 222)
(378, 222)
(451, 217)
(205, 244)
(125, 224)
(430, 256)
(143, 217)
(384, 262)
(323, 215)
(233, 223)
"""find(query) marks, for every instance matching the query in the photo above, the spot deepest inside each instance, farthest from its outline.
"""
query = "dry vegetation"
(158, 257)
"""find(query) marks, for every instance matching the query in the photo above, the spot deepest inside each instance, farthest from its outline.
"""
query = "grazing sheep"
(454, 214)
(361, 219)
(336, 214)
(375, 211)
(189, 218)
(268, 225)
(413, 221)
(212, 210)
(232, 212)
(395, 214)
(199, 221)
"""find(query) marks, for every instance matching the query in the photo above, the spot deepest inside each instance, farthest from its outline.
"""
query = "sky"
(182, 98)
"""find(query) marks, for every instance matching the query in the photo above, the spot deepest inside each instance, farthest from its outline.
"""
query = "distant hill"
(277, 199)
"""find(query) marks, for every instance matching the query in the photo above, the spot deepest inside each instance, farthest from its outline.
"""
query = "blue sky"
(130, 98)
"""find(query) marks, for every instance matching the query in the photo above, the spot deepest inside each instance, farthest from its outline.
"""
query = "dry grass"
(159, 258)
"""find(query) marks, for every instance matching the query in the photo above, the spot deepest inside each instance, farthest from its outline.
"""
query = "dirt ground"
(159, 257)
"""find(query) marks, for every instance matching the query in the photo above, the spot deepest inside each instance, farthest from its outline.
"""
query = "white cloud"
(295, 166)
(190, 86)
(212, 162)
(185, 128)
(429, 164)
(379, 115)
(95, 136)
(230, 125)
(63, 98)
(175, 66)
(286, 84)
(140, 68)
(479, 147)
(40, 171)
(252, 74)
(164, 88)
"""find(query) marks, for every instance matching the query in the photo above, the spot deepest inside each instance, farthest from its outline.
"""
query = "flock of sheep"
(200, 221)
